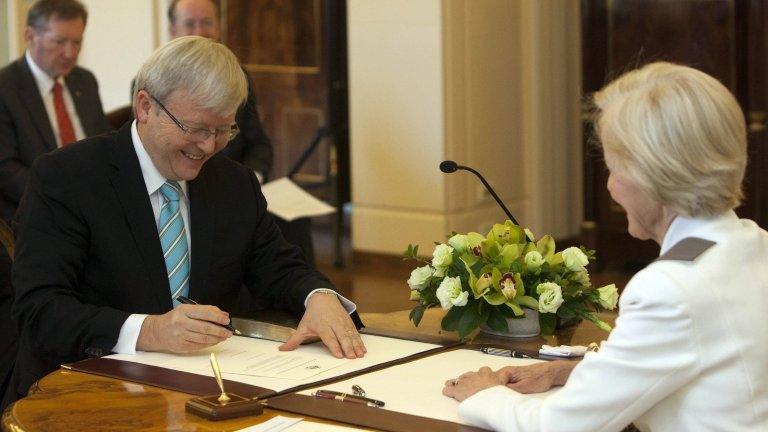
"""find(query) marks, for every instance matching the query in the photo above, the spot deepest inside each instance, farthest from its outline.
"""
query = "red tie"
(66, 131)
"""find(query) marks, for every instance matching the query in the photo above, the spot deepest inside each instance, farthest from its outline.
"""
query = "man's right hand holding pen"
(188, 327)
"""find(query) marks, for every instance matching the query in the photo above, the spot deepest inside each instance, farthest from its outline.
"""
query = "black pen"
(185, 300)
(344, 397)
(505, 353)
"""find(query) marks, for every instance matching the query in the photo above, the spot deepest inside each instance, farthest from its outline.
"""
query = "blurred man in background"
(46, 101)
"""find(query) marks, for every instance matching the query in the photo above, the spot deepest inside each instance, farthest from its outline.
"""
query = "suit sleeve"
(650, 354)
(52, 247)
(13, 172)
(256, 149)
(276, 269)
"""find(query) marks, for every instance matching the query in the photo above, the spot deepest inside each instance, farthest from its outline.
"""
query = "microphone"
(450, 166)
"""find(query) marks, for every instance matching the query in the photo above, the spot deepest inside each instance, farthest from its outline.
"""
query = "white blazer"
(689, 351)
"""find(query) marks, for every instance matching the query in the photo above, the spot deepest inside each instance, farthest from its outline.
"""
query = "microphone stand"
(449, 166)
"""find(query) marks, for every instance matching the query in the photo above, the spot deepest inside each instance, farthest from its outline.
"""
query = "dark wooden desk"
(74, 401)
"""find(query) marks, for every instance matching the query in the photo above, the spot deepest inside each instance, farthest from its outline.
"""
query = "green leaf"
(412, 252)
(528, 301)
(416, 314)
(469, 321)
(547, 322)
(497, 321)
(450, 321)
(517, 310)
(494, 298)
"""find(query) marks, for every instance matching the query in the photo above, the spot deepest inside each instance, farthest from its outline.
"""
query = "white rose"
(582, 278)
(574, 259)
(450, 293)
(419, 277)
(442, 257)
(550, 297)
(609, 296)
(459, 242)
(534, 260)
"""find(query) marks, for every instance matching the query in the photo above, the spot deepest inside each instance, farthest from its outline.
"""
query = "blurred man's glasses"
(201, 134)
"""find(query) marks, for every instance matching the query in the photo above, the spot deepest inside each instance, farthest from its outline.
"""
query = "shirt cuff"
(348, 305)
(259, 176)
(129, 334)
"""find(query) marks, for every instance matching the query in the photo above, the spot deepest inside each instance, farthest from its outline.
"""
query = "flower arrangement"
(487, 279)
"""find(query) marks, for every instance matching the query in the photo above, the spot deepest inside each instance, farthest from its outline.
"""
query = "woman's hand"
(535, 378)
(470, 383)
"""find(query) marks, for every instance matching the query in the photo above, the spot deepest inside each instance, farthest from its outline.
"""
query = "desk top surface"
(69, 400)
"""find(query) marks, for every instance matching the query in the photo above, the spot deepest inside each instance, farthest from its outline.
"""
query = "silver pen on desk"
(505, 352)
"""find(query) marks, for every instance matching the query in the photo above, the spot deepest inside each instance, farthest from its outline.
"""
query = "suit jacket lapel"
(30, 97)
(202, 220)
(132, 193)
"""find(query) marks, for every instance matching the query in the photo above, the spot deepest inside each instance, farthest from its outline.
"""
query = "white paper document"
(290, 424)
(416, 388)
(288, 201)
(242, 357)
(258, 362)
(309, 426)
(275, 424)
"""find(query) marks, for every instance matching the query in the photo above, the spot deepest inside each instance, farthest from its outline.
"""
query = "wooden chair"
(118, 117)
(6, 238)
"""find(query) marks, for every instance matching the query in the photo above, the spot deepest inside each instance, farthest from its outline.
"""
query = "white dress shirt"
(689, 351)
(129, 332)
(45, 86)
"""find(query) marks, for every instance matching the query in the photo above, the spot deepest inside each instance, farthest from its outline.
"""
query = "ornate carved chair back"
(6, 238)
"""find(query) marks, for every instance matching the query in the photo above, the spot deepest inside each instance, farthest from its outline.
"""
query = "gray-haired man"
(101, 259)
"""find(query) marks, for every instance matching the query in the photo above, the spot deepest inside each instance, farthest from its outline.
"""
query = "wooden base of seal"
(210, 408)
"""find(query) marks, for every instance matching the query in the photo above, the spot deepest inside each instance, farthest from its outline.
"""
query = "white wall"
(396, 122)
(4, 35)
(492, 84)
(119, 36)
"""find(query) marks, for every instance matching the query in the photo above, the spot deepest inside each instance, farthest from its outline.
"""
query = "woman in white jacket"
(690, 348)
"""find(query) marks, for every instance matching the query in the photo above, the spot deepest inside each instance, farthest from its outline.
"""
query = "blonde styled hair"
(677, 133)
(207, 70)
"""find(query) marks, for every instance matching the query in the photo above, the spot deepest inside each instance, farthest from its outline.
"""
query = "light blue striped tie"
(173, 238)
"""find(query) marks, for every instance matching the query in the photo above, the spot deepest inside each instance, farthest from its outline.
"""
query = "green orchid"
(488, 279)
(546, 246)
(507, 233)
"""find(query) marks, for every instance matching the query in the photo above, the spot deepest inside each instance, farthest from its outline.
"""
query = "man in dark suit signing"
(153, 212)
(45, 100)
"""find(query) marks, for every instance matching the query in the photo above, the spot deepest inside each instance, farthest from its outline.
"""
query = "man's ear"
(141, 106)
(29, 33)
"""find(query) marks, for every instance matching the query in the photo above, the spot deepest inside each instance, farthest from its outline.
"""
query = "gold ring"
(349, 333)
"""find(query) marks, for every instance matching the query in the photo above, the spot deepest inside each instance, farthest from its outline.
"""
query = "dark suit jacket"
(7, 327)
(88, 252)
(251, 146)
(25, 130)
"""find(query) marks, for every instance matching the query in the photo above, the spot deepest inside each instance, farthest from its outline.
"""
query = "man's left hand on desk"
(327, 319)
